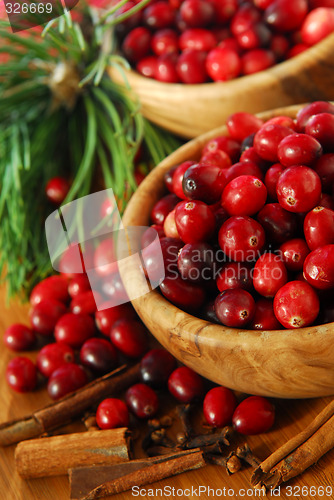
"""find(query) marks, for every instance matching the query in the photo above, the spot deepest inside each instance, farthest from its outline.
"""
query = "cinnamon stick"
(299, 453)
(69, 407)
(53, 456)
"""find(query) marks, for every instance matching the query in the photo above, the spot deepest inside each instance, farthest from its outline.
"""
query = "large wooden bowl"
(191, 110)
(285, 363)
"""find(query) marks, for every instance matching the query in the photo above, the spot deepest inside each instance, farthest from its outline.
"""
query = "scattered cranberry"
(218, 406)
(45, 314)
(112, 413)
(67, 378)
(56, 190)
(84, 303)
(52, 356)
(99, 355)
(54, 287)
(19, 337)
(130, 337)
(78, 285)
(235, 307)
(74, 329)
(254, 415)
(142, 401)
(185, 385)
(21, 374)
(105, 318)
(156, 366)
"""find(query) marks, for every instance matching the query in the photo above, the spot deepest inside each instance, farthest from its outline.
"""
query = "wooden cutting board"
(292, 416)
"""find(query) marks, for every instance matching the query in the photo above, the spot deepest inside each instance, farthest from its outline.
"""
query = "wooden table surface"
(292, 416)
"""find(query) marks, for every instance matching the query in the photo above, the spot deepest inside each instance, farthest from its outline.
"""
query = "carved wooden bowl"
(284, 363)
(191, 110)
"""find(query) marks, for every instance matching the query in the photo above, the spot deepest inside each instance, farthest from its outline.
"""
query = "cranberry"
(170, 228)
(142, 401)
(169, 248)
(325, 169)
(165, 41)
(130, 337)
(197, 39)
(54, 287)
(251, 156)
(254, 37)
(267, 139)
(67, 378)
(195, 262)
(298, 189)
(319, 227)
(159, 15)
(257, 60)
(105, 258)
(84, 303)
(235, 307)
(185, 385)
(296, 305)
(318, 24)
(264, 317)
(279, 224)
(271, 179)
(150, 235)
(75, 259)
(113, 287)
(226, 144)
(165, 69)
(240, 125)
(129, 23)
(204, 182)
(244, 195)
(225, 9)
(21, 374)
(162, 208)
(314, 108)
(230, 44)
(99, 355)
(52, 356)
(197, 13)
(218, 406)
(253, 415)
(45, 314)
(321, 127)
(78, 285)
(19, 337)
(326, 201)
(284, 15)
(319, 268)
(294, 253)
(270, 274)
(105, 318)
(190, 66)
(195, 221)
(284, 121)
(156, 367)
(184, 294)
(241, 238)
(223, 64)
(246, 16)
(74, 329)
(216, 158)
(112, 413)
(209, 313)
(56, 190)
(147, 66)
(279, 45)
(296, 50)
(178, 178)
(299, 149)
(243, 168)
(235, 275)
(137, 43)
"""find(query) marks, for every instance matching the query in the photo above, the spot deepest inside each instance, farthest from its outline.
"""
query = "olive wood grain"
(191, 110)
(285, 363)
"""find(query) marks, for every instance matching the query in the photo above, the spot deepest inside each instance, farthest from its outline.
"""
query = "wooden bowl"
(180, 108)
(284, 363)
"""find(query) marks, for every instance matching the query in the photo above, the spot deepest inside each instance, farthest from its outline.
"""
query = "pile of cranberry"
(195, 41)
(247, 232)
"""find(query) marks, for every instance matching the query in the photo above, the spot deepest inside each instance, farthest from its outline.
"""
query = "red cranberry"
(142, 401)
(197, 39)
(270, 274)
(170, 228)
(84, 303)
(296, 305)
(184, 294)
(294, 253)
(318, 24)
(112, 286)
(319, 227)
(218, 406)
(165, 69)
(197, 13)
(243, 168)
(195, 262)
(264, 317)
(105, 258)
(254, 37)
(230, 44)
(299, 149)
(225, 9)
(147, 66)
(253, 415)
(284, 15)
(99, 355)
(226, 144)
(223, 64)
(159, 15)
(45, 314)
(257, 60)
(267, 139)
(191, 67)
(325, 169)
(326, 201)
(216, 158)
(130, 337)
(112, 413)
(204, 182)
(54, 287)
(241, 238)
(271, 179)
(279, 224)
(240, 125)
(298, 189)
(150, 235)
(235, 275)
(19, 337)
(284, 121)
(185, 385)
(178, 178)
(136, 44)
(56, 190)
(314, 108)
(52, 356)
(162, 208)
(279, 45)
(67, 378)
(319, 268)
(321, 127)
(129, 23)
(245, 195)
(169, 248)
(251, 156)
(71, 263)
(165, 41)
(78, 285)
(156, 367)
(21, 374)
(105, 318)
(246, 16)
(195, 221)
(235, 307)
(74, 329)
(296, 50)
